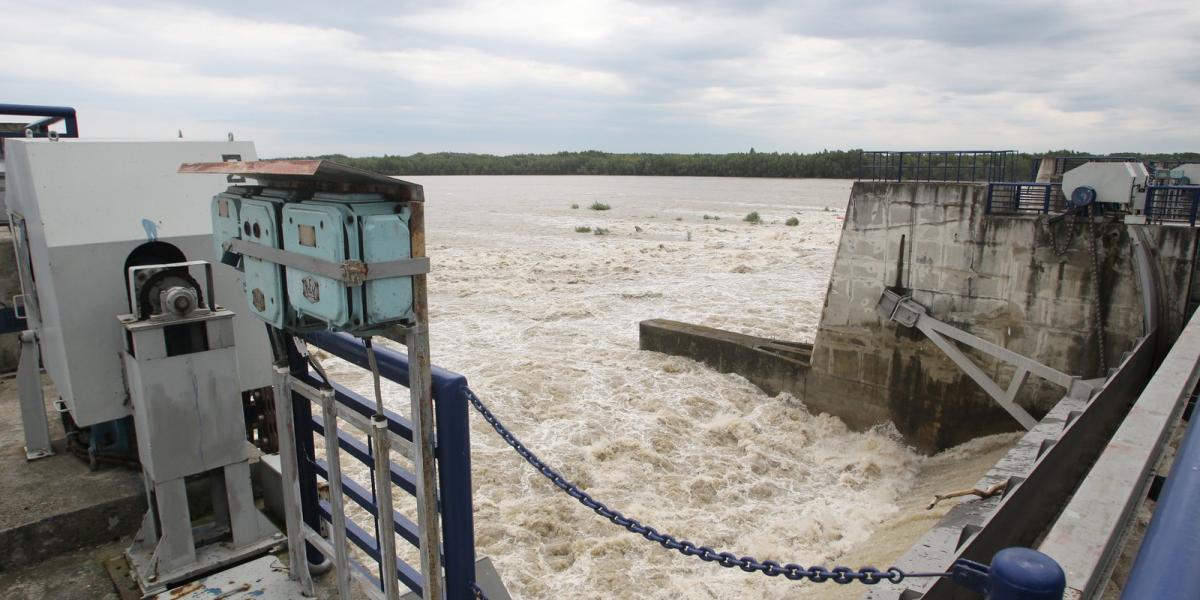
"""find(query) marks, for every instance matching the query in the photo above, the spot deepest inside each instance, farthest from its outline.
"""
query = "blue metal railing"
(937, 165)
(1024, 198)
(453, 455)
(1165, 563)
(50, 115)
(1172, 203)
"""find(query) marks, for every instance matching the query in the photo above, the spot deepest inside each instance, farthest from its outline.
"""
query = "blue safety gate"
(453, 457)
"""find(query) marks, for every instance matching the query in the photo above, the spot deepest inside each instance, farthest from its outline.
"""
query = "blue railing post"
(454, 477)
(1192, 213)
(987, 209)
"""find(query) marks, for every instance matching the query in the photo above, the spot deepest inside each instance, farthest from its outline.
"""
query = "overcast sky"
(364, 77)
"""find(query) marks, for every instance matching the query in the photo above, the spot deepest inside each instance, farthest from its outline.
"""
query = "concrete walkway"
(56, 505)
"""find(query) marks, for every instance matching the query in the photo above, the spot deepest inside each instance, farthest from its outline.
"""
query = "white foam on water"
(544, 323)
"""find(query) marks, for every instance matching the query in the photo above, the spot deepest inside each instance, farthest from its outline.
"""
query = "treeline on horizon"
(839, 164)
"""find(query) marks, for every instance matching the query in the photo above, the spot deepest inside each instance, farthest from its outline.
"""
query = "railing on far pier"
(1172, 203)
(937, 165)
(1024, 198)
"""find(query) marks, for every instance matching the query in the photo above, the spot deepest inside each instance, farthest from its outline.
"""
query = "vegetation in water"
(583, 229)
(711, 218)
(792, 222)
(574, 206)
(752, 218)
(599, 206)
(600, 231)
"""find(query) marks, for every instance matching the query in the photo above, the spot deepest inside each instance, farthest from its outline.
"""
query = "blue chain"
(749, 564)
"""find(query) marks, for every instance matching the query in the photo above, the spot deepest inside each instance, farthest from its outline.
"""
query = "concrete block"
(991, 287)
(869, 270)
(773, 365)
(956, 282)
(900, 214)
(958, 256)
(930, 213)
(869, 291)
(925, 232)
(924, 277)
(927, 253)
(844, 363)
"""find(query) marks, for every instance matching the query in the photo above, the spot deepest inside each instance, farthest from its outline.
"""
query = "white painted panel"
(84, 221)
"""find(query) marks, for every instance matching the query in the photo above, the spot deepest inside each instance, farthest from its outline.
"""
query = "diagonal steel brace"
(906, 311)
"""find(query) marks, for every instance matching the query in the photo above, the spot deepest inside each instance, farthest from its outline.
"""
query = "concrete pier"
(1013, 280)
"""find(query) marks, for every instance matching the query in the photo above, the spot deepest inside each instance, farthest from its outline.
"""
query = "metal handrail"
(1024, 197)
(937, 165)
(1173, 537)
(453, 457)
(50, 115)
(1172, 203)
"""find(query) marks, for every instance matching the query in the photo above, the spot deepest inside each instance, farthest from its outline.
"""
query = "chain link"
(1097, 313)
(749, 564)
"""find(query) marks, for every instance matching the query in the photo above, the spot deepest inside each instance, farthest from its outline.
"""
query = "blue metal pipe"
(66, 113)
(1166, 564)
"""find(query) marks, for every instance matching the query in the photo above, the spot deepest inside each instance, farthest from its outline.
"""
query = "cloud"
(707, 75)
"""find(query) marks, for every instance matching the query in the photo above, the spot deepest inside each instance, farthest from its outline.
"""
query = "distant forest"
(842, 164)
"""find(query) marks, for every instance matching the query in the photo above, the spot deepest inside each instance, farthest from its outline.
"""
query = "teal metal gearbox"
(348, 227)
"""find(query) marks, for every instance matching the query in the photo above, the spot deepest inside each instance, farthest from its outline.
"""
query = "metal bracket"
(33, 404)
(351, 272)
(907, 312)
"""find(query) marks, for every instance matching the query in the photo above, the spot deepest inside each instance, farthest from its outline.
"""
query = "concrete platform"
(55, 505)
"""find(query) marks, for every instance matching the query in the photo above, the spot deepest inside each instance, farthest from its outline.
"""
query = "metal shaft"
(374, 376)
(290, 475)
(337, 526)
(383, 502)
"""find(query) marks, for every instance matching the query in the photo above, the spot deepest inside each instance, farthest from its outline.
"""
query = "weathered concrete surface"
(56, 504)
(997, 277)
(772, 365)
(10, 285)
(80, 575)
(1000, 278)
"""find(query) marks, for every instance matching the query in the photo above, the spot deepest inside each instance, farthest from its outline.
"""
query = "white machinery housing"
(1120, 183)
(79, 210)
(1188, 174)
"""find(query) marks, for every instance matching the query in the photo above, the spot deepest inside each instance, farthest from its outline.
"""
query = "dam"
(694, 451)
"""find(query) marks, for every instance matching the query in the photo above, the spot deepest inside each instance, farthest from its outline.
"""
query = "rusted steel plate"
(321, 173)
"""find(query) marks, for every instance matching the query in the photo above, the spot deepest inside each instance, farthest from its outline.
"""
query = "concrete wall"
(10, 285)
(996, 277)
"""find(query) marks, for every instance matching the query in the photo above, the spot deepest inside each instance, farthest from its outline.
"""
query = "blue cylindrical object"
(1025, 574)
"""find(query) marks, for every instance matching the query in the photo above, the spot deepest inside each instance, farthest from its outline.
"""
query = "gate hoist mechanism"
(1122, 184)
(181, 367)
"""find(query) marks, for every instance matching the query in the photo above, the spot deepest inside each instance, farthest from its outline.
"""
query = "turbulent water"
(543, 322)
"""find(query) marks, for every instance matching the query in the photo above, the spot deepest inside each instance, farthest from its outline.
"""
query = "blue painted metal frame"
(50, 114)
(1172, 203)
(1024, 197)
(937, 165)
(1165, 566)
(453, 454)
